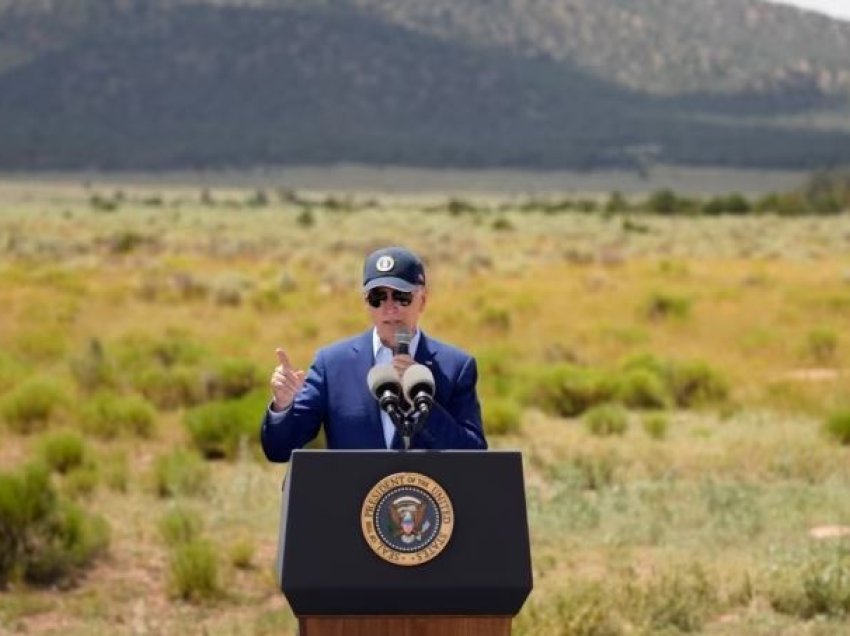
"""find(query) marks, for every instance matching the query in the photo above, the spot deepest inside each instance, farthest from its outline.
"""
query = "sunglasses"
(376, 296)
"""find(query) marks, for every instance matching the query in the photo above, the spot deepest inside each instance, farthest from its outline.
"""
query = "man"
(334, 392)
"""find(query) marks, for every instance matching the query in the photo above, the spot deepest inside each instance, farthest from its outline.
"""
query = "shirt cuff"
(277, 416)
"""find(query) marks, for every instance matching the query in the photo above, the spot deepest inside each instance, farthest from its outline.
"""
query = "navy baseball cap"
(394, 267)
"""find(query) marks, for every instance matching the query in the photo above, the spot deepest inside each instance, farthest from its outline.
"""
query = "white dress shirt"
(384, 355)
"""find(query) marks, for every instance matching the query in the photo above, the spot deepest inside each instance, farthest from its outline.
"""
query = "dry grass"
(709, 513)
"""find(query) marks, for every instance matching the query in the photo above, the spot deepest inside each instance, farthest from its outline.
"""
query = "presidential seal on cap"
(407, 519)
(394, 267)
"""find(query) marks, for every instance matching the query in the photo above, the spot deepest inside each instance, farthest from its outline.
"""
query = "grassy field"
(678, 388)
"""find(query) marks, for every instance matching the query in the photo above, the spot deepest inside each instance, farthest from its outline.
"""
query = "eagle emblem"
(408, 518)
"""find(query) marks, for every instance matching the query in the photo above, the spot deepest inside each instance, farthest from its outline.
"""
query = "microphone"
(402, 341)
(385, 387)
(418, 385)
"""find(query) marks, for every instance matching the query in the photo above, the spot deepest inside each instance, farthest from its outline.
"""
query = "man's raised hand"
(285, 382)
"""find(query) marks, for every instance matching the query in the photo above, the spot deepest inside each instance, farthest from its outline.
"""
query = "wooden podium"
(404, 543)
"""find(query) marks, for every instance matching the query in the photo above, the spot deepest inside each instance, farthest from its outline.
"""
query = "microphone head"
(402, 340)
(382, 377)
(417, 378)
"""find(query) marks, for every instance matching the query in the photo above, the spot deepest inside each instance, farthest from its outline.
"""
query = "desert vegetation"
(672, 368)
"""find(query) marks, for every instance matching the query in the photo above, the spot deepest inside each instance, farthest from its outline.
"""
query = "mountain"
(161, 84)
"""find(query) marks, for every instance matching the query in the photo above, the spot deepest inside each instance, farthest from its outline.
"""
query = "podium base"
(404, 626)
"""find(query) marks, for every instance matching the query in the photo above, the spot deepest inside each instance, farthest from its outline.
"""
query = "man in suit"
(334, 392)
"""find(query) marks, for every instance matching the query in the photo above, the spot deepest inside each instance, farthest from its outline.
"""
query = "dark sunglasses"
(376, 296)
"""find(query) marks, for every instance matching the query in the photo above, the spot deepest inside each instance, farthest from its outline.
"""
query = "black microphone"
(402, 341)
(385, 387)
(418, 385)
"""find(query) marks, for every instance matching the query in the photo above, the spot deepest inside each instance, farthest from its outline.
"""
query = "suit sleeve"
(300, 424)
(456, 423)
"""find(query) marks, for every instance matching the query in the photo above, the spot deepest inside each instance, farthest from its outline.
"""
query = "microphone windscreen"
(402, 340)
(417, 378)
(382, 377)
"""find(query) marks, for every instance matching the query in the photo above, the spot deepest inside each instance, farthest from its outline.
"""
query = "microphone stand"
(412, 422)
(417, 420)
(397, 417)
(405, 430)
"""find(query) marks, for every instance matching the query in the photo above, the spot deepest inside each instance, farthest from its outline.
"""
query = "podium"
(404, 543)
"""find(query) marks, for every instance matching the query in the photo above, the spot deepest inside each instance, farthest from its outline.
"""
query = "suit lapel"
(364, 359)
(425, 352)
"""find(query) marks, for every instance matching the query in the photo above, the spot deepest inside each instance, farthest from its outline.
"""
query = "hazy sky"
(835, 8)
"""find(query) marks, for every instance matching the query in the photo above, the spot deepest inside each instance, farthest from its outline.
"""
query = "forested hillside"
(159, 84)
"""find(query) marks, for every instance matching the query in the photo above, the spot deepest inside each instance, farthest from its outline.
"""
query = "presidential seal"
(407, 519)
(385, 263)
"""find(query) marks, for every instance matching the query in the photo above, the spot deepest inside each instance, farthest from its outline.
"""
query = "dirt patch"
(829, 532)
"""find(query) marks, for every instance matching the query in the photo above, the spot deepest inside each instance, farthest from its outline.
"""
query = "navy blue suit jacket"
(335, 394)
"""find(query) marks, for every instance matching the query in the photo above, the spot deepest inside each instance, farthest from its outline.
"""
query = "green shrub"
(171, 387)
(29, 406)
(92, 369)
(662, 202)
(268, 300)
(242, 554)
(502, 416)
(11, 370)
(43, 539)
(103, 204)
(107, 415)
(616, 203)
(730, 204)
(82, 480)
(646, 362)
(679, 600)
(497, 319)
(580, 608)
(656, 425)
(457, 207)
(786, 204)
(138, 351)
(667, 202)
(606, 419)
(194, 572)
(821, 345)
(642, 388)
(687, 383)
(695, 383)
(819, 586)
(180, 525)
(217, 427)
(503, 224)
(661, 305)
(568, 390)
(180, 472)
(837, 426)
(232, 378)
(306, 218)
(497, 370)
(63, 451)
